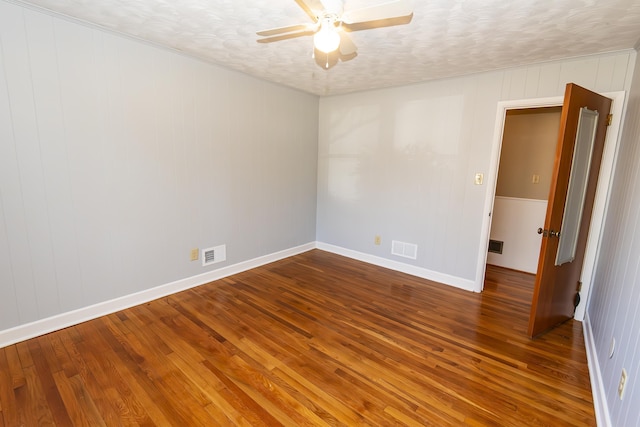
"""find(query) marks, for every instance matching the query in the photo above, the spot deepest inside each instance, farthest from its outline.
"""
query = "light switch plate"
(479, 178)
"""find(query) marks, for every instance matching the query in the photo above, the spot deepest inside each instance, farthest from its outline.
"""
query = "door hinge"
(609, 119)
(579, 288)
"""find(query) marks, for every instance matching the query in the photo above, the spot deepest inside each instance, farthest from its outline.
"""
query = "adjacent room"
(319, 212)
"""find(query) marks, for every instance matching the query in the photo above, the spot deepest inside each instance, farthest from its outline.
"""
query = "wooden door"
(557, 279)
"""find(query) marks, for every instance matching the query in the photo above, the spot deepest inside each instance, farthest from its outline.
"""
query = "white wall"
(117, 158)
(615, 295)
(515, 222)
(400, 163)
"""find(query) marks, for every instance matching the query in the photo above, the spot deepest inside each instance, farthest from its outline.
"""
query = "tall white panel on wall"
(514, 223)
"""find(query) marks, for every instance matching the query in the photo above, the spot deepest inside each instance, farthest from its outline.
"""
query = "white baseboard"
(70, 318)
(458, 282)
(597, 386)
(63, 320)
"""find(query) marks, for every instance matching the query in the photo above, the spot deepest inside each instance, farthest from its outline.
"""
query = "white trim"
(601, 408)
(602, 192)
(521, 199)
(423, 273)
(70, 318)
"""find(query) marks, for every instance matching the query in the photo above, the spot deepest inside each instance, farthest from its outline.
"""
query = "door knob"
(549, 233)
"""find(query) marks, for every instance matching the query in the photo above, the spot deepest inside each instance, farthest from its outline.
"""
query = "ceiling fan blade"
(286, 36)
(283, 30)
(367, 25)
(391, 9)
(313, 8)
(345, 58)
(347, 46)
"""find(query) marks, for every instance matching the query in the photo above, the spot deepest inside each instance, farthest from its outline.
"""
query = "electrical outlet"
(622, 384)
(194, 254)
(377, 240)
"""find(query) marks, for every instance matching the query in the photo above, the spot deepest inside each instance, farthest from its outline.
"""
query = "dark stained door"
(557, 280)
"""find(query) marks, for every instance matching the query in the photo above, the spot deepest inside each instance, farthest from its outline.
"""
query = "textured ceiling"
(445, 37)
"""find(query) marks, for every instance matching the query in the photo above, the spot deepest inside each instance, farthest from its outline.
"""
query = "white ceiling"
(445, 37)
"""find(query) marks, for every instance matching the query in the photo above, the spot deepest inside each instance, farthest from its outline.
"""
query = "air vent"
(214, 255)
(406, 250)
(495, 246)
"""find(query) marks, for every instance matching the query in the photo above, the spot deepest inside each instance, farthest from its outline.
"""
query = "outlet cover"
(195, 254)
(622, 384)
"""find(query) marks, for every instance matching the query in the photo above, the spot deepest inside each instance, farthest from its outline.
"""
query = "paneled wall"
(118, 157)
(615, 296)
(400, 163)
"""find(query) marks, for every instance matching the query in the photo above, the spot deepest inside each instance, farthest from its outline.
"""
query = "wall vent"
(406, 250)
(214, 255)
(495, 246)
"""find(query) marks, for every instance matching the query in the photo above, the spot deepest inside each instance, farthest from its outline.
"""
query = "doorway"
(524, 176)
(599, 208)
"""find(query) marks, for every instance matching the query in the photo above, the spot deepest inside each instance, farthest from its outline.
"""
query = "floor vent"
(214, 255)
(495, 246)
(407, 250)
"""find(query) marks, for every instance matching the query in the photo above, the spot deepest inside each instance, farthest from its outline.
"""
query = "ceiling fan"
(331, 22)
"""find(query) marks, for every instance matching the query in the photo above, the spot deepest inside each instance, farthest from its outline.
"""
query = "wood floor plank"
(43, 386)
(116, 358)
(325, 403)
(256, 414)
(14, 368)
(266, 391)
(314, 339)
(102, 384)
(154, 373)
(8, 405)
(132, 400)
(81, 411)
(210, 385)
(32, 405)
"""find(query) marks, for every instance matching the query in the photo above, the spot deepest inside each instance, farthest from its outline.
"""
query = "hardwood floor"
(315, 339)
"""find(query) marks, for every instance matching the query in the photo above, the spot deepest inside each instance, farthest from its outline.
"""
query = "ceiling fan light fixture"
(327, 39)
(332, 24)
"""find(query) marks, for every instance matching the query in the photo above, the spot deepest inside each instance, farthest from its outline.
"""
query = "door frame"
(602, 191)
